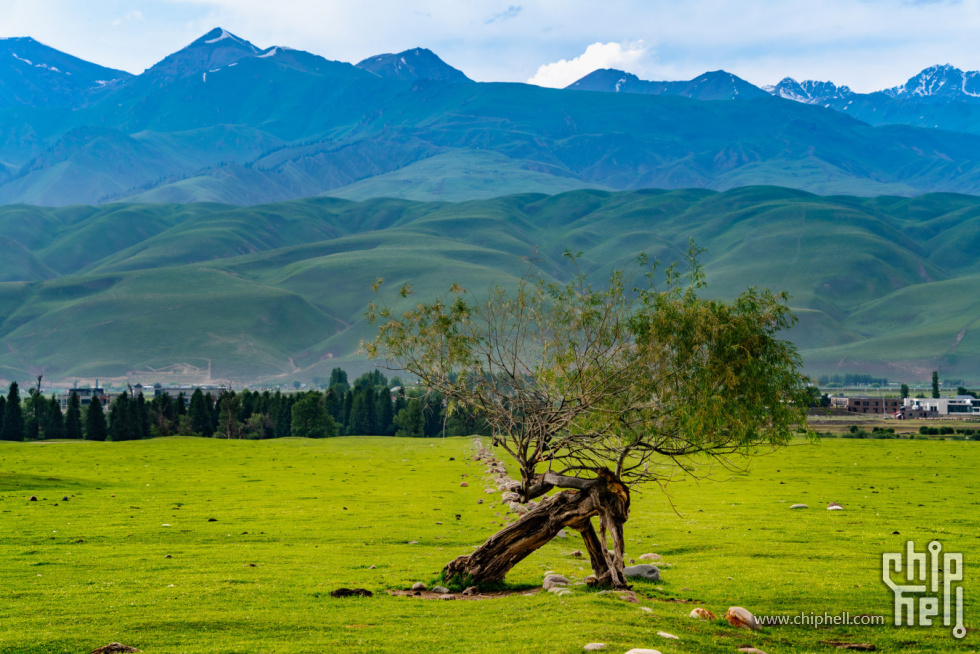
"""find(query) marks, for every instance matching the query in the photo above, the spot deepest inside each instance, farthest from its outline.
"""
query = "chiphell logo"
(938, 576)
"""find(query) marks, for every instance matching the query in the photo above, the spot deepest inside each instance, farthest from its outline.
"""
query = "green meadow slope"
(884, 285)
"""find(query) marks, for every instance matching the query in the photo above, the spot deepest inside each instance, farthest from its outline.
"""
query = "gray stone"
(592, 647)
(799, 506)
(650, 556)
(441, 590)
(553, 580)
(645, 571)
(561, 534)
(418, 585)
(472, 590)
(577, 554)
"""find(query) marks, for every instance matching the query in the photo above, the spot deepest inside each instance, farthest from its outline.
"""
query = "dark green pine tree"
(384, 413)
(73, 417)
(54, 420)
(36, 406)
(935, 383)
(248, 405)
(333, 405)
(200, 414)
(3, 408)
(121, 427)
(284, 422)
(348, 407)
(180, 406)
(142, 417)
(95, 425)
(13, 416)
(213, 410)
(362, 413)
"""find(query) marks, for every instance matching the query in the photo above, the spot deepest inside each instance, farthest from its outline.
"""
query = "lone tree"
(594, 390)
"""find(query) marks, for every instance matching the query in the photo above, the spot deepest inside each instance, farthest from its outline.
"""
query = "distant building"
(85, 396)
(961, 405)
(866, 404)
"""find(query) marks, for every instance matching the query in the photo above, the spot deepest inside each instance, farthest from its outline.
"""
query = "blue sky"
(867, 44)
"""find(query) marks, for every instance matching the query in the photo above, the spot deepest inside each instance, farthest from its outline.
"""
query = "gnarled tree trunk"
(606, 497)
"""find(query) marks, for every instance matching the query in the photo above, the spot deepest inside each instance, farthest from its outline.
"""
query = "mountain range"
(203, 291)
(940, 97)
(223, 120)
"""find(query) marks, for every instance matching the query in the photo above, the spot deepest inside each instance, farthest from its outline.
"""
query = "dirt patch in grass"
(482, 595)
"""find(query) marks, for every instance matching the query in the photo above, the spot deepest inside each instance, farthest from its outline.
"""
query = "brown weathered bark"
(606, 497)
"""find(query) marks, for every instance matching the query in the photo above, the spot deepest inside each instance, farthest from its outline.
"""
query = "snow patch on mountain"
(225, 34)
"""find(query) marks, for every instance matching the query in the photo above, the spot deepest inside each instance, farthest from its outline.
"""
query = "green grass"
(319, 514)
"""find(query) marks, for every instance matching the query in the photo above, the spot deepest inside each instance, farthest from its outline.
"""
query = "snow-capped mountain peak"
(809, 91)
(940, 82)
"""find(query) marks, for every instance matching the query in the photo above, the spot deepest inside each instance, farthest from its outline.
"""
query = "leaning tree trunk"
(606, 497)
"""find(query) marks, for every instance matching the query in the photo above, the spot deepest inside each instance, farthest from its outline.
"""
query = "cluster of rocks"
(736, 616)
(498, 481)
(557, 584)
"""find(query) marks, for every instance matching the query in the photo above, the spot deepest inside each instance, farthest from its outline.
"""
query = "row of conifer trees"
(368, 406)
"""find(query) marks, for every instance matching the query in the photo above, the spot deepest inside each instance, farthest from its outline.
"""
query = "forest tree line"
(365, 407)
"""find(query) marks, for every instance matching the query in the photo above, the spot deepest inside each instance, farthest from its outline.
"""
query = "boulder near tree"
(594, 389)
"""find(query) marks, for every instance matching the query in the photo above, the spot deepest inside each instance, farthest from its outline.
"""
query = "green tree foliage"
(13, 417)
(162, 415)
(36, 406)
(211, 402)
(73, 417)
(53, 421)
(338, 377)
(229, 425)
(362, 416)
(348, 409)
(310, 418)
(334, 405)
(96, 428)
(141, 417)
(409, 420)
(384, 413)
(3, 411)
(935, 383)
(904, 391)
(200, 414)
(122, 423)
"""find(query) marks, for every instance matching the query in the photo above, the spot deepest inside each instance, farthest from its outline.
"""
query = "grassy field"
(313, 516)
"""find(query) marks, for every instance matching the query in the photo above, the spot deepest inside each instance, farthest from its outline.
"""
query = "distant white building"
(946, 406)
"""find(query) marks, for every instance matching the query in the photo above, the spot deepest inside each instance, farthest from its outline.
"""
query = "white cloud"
(133, 15)
(622, 56)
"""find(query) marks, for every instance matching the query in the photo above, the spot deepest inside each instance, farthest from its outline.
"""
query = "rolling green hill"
(278, 291)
